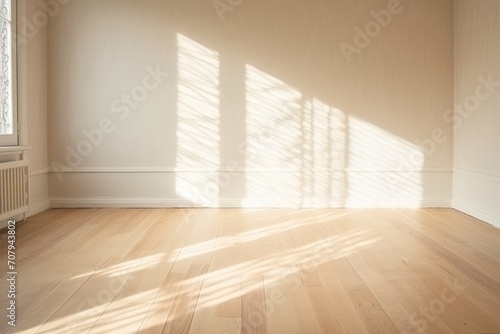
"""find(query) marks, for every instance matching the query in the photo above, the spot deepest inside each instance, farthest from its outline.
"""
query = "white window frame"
(11, 139)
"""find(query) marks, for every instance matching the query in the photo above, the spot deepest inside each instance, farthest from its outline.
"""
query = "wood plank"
(162, 305)
(322, 310)
(182, 312)
(219, 299)
(253, 305)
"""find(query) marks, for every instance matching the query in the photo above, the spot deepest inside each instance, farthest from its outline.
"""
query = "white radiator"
(14, 194)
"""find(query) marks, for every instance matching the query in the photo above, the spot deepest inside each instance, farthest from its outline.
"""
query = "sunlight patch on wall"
(303, 152)
(197, 122)
(324, 154)
(295, 143)
(273, 135)
(273, 131)
(299, 150)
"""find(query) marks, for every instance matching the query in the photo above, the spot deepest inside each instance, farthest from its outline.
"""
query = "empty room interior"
(236, 166)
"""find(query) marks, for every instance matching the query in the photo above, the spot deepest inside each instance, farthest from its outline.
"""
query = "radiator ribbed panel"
(13, 189)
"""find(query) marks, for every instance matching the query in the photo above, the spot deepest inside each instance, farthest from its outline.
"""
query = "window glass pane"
(6, 110)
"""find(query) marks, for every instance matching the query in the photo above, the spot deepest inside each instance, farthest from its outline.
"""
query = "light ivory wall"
(477, 150)
(319, 130)
(32, 68)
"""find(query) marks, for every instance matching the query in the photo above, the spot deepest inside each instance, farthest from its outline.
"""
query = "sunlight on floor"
(221, 285)
(123, 314)
(134, 306)
(126, 267)
(225, 284)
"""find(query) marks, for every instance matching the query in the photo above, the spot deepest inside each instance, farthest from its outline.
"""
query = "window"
(8, 110)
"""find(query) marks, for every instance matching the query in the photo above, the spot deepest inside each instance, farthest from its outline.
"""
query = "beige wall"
(319, 129)
(477, 115)
(32, 40)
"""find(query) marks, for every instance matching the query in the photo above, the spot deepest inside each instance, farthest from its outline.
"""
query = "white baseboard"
(483, 214)
(60, 203)
(237, 203)
(253, 189)
(478, 194)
